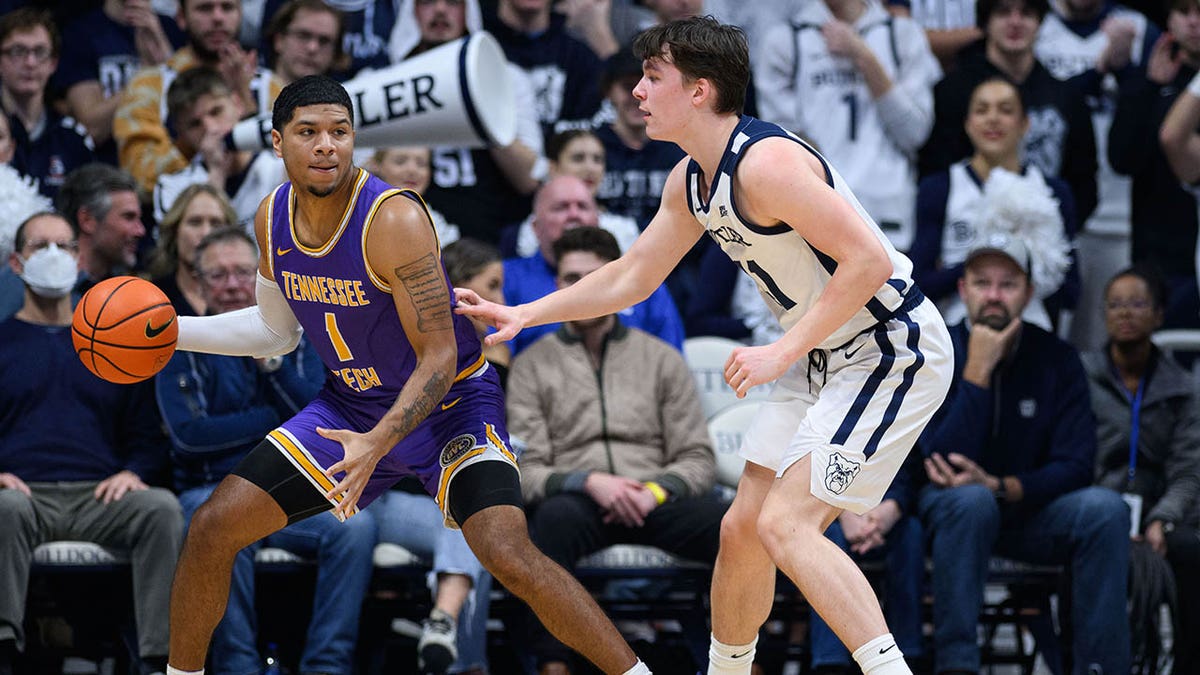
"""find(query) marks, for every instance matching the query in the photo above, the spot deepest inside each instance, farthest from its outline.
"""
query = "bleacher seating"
(706, 356)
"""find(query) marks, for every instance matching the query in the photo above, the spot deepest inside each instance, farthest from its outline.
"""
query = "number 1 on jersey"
(335, 337)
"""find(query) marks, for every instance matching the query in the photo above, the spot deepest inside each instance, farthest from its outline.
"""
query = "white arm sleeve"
(266, 329)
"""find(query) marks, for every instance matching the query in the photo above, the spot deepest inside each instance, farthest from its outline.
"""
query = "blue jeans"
(904, 555)
(1087, 530)
(415, 522)
(344, 566)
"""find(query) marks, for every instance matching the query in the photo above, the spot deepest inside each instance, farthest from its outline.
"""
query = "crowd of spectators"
(952, 121)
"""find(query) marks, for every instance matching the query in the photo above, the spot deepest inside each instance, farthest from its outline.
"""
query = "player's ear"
(702, 90)
(277, 142)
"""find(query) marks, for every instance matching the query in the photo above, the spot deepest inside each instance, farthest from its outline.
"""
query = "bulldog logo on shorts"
(457, 447)
(839, 473)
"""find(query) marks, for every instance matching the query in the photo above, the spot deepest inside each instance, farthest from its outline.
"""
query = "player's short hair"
(1153, 280)
(26, 19)
(702, 47)
(588, 239)
(221, 235)
(308, 90)
(466, 258)
(91, 187)
(985, 8)
(190, 85)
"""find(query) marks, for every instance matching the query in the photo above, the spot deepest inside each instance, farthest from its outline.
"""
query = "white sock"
(881, 656)
(726, 659)
(638, 668)
(176, 671)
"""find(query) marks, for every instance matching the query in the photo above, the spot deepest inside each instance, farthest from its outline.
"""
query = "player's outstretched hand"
(506, 320)
(751, 366)
(358, 461)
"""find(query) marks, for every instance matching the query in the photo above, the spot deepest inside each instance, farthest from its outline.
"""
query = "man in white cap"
(1009, 457)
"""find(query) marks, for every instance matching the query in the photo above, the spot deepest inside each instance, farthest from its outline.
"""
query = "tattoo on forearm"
(418, 409)
(427, 289)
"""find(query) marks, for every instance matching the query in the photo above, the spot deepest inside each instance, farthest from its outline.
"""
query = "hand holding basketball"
(124, 330)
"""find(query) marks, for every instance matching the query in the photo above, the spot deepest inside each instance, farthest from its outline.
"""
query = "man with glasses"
(48, 145)
(216, 409)
(77, 454)
(305, 38)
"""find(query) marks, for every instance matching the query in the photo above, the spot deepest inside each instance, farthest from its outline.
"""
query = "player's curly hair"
(308, 90)
(702, 47)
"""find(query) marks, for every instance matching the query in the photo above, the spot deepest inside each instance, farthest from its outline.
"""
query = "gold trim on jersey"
(471, 369)
(291, 448)
(492, 436)
(379, 282)
(269, 228)
(448, 472)
(337, 234)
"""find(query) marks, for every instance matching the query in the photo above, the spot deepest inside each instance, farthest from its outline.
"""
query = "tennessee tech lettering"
(341, 292)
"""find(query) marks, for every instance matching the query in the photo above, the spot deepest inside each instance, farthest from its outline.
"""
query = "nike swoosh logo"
(738, 656)
(850, 355)
(451, 404)
(887, 649)
(282, 251)
(152, 332)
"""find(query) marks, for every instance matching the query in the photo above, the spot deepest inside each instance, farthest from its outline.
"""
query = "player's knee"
(737, 526)
(507, 558)
(214, 527)
(778, 527)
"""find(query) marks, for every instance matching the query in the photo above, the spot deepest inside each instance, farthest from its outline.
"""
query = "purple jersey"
(347, 310)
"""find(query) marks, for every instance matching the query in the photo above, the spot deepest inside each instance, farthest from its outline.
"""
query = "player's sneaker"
(437, 648)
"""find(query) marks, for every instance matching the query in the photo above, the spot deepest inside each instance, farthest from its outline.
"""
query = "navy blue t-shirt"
(565, 72)
(60, 146)
(59, 422)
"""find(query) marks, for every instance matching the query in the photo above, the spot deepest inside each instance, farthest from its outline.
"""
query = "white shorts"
(857, 409)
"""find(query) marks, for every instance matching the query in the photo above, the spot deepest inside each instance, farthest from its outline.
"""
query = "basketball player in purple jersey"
(355, 264)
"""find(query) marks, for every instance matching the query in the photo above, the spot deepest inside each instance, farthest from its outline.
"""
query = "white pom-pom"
(21, 199)
(1024, 208)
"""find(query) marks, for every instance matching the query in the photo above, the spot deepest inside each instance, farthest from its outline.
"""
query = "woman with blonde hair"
(199, 209)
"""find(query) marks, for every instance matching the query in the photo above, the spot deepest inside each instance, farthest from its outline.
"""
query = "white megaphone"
(455, 94)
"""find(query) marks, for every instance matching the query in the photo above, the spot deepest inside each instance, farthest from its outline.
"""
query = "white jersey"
(824, 98)
(944, 14)
(1066, 54)
(964, 200)
(789, 271)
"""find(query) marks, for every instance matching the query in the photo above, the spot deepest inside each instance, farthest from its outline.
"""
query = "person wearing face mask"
(77, 454)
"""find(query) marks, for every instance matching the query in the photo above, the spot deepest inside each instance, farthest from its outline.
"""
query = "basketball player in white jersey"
(863, 365)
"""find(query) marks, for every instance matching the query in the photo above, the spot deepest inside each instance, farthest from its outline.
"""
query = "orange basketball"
(124, 329)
